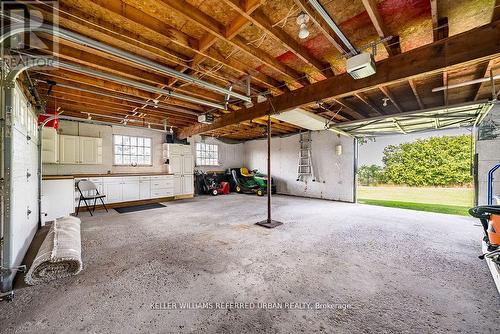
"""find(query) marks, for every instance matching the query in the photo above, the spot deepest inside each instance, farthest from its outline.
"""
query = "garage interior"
(142, 99)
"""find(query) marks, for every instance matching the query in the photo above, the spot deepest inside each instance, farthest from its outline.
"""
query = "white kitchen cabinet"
(178, 184)
(176, 164)
(50, 146)
(57, 199)
(187, 184)
(113, 189)
(80, 150)
(69, 149)
(145, 187)
(187, 164)
(162, 186)
(181, 163)
(131, 189)
(90, 151)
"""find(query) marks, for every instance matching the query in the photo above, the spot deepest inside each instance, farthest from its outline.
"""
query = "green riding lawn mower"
(250, 182)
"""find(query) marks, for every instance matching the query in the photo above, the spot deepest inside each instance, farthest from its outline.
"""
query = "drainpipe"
(140, 61)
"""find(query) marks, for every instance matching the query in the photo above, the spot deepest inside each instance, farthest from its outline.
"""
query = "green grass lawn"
(442, 200)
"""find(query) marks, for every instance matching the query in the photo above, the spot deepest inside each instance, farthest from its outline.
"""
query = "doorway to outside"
(428, 171)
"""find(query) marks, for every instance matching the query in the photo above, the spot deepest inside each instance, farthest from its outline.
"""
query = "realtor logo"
(20, 22)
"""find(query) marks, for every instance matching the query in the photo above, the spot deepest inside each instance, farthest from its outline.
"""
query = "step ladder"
(305, 167)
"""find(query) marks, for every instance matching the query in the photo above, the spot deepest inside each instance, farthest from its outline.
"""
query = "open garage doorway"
(422, 161)
(429, 171)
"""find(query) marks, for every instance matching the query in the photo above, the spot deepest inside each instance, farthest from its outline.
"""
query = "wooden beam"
(196, 16)
(496, 12)
(485, 75)
(440, 28)
(78, 79)
(117, 66)
(76, 95)
(232, 29)
(92, 108)
(391, 97)
(415, 92)
(392, 46)
(348, 109)
(260, 19)
(368, 103)
(445, 91)
(322, 25)
(139, 45)
(460, 50)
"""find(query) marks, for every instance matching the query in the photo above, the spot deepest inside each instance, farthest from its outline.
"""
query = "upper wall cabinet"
(80, 150)
(90, 151)
(50, 146)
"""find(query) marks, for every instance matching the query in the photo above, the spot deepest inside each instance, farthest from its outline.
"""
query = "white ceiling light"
(302, 20)
(385, 99)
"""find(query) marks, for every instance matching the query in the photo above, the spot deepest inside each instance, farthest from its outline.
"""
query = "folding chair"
(92, 194)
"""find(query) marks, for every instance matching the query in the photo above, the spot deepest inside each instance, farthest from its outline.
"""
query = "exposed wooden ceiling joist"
(212, 26)
(392, 46)
(391, 97)
(440, 28)
(474, 45)
(415, 92)
(259, 19)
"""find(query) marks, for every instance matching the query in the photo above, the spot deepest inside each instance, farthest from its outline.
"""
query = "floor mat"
(134, 208)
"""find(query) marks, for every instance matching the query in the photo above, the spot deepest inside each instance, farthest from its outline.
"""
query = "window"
(128, 150)
(207, 154)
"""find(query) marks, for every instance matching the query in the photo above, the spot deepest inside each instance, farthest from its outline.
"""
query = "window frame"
(205, 158)
(137, 146)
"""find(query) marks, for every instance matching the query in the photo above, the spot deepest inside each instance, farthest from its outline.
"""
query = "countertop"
(73, 176)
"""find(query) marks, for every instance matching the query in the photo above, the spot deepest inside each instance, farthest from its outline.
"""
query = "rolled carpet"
(60, 254)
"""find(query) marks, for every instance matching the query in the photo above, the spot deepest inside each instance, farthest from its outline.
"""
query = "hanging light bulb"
(303, 32)
(302, 20)
(171, 130)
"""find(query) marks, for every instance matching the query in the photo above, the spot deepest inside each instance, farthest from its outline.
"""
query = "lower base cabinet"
(130, 188)
(184, 184)
(57, 199)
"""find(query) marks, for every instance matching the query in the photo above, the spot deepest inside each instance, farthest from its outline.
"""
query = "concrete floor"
(389, 271)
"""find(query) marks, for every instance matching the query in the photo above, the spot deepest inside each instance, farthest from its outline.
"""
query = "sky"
(371, 153)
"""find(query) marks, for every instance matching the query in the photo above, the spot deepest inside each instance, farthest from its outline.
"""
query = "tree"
(370, 174)
(437, 161)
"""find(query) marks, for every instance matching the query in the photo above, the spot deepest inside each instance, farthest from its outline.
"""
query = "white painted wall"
(230, 155)
(106, 133)
(335, 174)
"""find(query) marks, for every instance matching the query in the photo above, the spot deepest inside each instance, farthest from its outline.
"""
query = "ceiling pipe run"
(135, 84)
(324, 14)
(92, 121)
(140, 61)
(158, 105)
